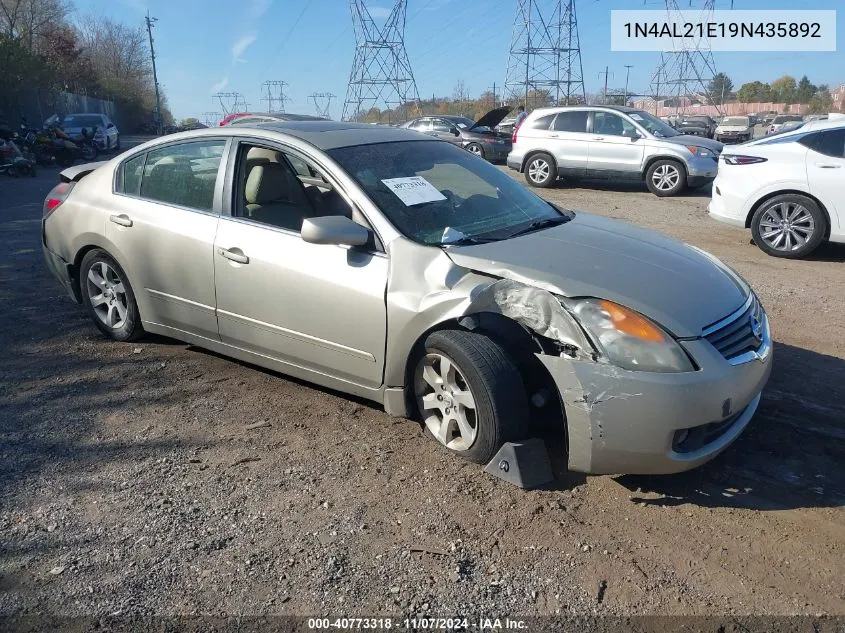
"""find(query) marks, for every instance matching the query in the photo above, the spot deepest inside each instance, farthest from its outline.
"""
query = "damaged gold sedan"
(388, 265)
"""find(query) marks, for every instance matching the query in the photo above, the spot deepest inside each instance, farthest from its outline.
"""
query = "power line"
(211, 118)
(545, 55)
(381, 75)
(230, 102)
(275, 90)
(322, 102)
(285, 39)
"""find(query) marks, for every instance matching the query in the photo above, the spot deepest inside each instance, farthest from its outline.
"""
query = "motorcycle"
(52, 141)
(13, 161)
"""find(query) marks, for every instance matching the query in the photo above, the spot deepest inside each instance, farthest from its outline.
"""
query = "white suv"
(609, 142)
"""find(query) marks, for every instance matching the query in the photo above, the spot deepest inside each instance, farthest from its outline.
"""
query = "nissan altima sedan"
(393, 266)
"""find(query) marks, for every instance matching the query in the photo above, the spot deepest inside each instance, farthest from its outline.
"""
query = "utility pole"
(150, 21)
(494, 94)
(275, 93)
(627, 76)
(605, 73)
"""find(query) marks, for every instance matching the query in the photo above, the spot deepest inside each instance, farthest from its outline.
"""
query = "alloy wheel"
(474, 149)
(446, 402)
(539, 170)
(665, 177)
(786, 226)
(107, 295)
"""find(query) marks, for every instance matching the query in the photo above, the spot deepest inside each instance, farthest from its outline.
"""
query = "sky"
(209, 46)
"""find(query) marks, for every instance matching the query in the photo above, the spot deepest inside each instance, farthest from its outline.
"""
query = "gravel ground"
(156, 479)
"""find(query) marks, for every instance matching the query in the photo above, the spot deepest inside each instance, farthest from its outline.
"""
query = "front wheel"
(469, 394)
(475, 148)
(540, 171)
(666, 178)
(789, 226)
(108, 297)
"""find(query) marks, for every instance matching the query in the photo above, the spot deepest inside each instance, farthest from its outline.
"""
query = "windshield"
(436, 193)
(735, 120)
(82, 120)
(653, 124)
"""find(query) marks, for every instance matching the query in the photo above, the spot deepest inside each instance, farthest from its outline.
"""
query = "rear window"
(543, 123)
(82, 120)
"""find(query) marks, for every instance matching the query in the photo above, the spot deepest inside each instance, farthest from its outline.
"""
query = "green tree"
(719, 89)
(753, 92)
(785, 90)
(821, 102)
(805, 91)
(190, 122)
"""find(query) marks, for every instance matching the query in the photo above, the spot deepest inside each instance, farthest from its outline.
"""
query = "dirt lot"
(132, 483)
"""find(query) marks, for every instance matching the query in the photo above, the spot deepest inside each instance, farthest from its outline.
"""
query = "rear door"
(826, 173)
(163, 228)
(616, 148)
(570, 141)
(442, 129)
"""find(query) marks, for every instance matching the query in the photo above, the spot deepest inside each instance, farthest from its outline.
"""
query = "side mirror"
(110, 125)
(455, 131)
(334, 229)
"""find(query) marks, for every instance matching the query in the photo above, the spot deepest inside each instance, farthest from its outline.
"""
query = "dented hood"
(681, 288)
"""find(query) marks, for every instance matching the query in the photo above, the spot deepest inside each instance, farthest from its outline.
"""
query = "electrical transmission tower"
(322, 102)
(211, 119)
(544, 66)
(687, 69)
(275, 91)
(230, 102)
(381, 75)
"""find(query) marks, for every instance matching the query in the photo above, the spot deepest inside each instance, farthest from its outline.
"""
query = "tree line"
(46, 47)
(783, 90)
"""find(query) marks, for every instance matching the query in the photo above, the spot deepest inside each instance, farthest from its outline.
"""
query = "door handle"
(554, 135)
(598, 138)
(828, 166)
(235, 257)
(122, 219)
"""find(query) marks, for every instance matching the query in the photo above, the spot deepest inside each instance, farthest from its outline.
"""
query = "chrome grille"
(742, 332)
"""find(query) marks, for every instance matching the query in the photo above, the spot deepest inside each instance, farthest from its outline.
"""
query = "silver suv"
(611, 142)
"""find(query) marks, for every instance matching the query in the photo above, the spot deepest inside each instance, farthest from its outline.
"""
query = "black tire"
(791, 203)
(673, 170)
(89, 152)
(117, 144)
(475, 148)
(131, 328)
(501, 403)
(540, 170)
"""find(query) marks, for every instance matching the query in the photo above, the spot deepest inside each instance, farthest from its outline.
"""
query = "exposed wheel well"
(651, 162)
(521, 346)
(794, 192)
(532, 154)
(76, 282)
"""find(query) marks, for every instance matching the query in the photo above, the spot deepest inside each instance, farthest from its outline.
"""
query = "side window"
(542, 123)
(132, 175)
(571, 122)
(419, 124)
(830, 142)
(612, 125)
(183, 174)
(439, 125)
(281, 189)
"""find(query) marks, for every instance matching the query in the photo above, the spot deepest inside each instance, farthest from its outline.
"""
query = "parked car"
(782, 119)
(106, 137)
(506, 126)
(734, 129)
(611, 142)
(257, 117)
(395, 267)
(477, 137)
(697, 126)
(788, 189)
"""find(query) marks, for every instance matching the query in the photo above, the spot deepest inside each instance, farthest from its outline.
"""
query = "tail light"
(56, 197)
(734, 159)
(515, 130)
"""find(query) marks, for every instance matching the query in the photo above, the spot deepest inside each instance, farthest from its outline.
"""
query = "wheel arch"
(106, 246)
(785, 192)
(654, 159)
(532, 154)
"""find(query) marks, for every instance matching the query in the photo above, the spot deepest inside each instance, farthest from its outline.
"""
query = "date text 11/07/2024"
(419, 624)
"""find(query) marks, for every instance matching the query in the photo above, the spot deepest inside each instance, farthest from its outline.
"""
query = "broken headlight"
(628, 339)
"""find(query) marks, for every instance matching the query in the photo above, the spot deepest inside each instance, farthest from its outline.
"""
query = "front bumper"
(496, 152)
(701, 170)
(733, 138)
(628, 422)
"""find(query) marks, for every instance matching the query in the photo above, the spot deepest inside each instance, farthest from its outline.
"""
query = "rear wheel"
(666, 178)
(469, 394)
(541, 171)
(789, 225)
(108, 297)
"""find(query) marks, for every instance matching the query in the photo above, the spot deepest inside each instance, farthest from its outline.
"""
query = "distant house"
(838, 95)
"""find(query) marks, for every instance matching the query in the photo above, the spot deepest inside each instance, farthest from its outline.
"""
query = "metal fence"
(37, 105)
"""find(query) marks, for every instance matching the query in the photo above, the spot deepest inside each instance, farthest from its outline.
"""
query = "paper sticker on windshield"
(635, 116)
(413, 190)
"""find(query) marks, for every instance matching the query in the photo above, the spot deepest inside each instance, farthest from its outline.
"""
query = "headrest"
(266, 182)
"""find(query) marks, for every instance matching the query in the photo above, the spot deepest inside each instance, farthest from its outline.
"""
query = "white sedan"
(789, 189)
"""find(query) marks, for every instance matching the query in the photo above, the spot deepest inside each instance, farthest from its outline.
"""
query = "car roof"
(326, 135)
(550, 109)
(810, 126)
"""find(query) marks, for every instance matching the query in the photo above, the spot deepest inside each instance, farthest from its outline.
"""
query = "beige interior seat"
(171, 179)
(275, 196)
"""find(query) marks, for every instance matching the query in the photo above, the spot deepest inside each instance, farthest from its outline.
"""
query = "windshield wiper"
(539, 224)
(466, 240)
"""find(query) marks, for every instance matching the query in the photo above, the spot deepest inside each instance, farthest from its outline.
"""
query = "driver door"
(312, 307)
(614, 150)
(442, 129)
